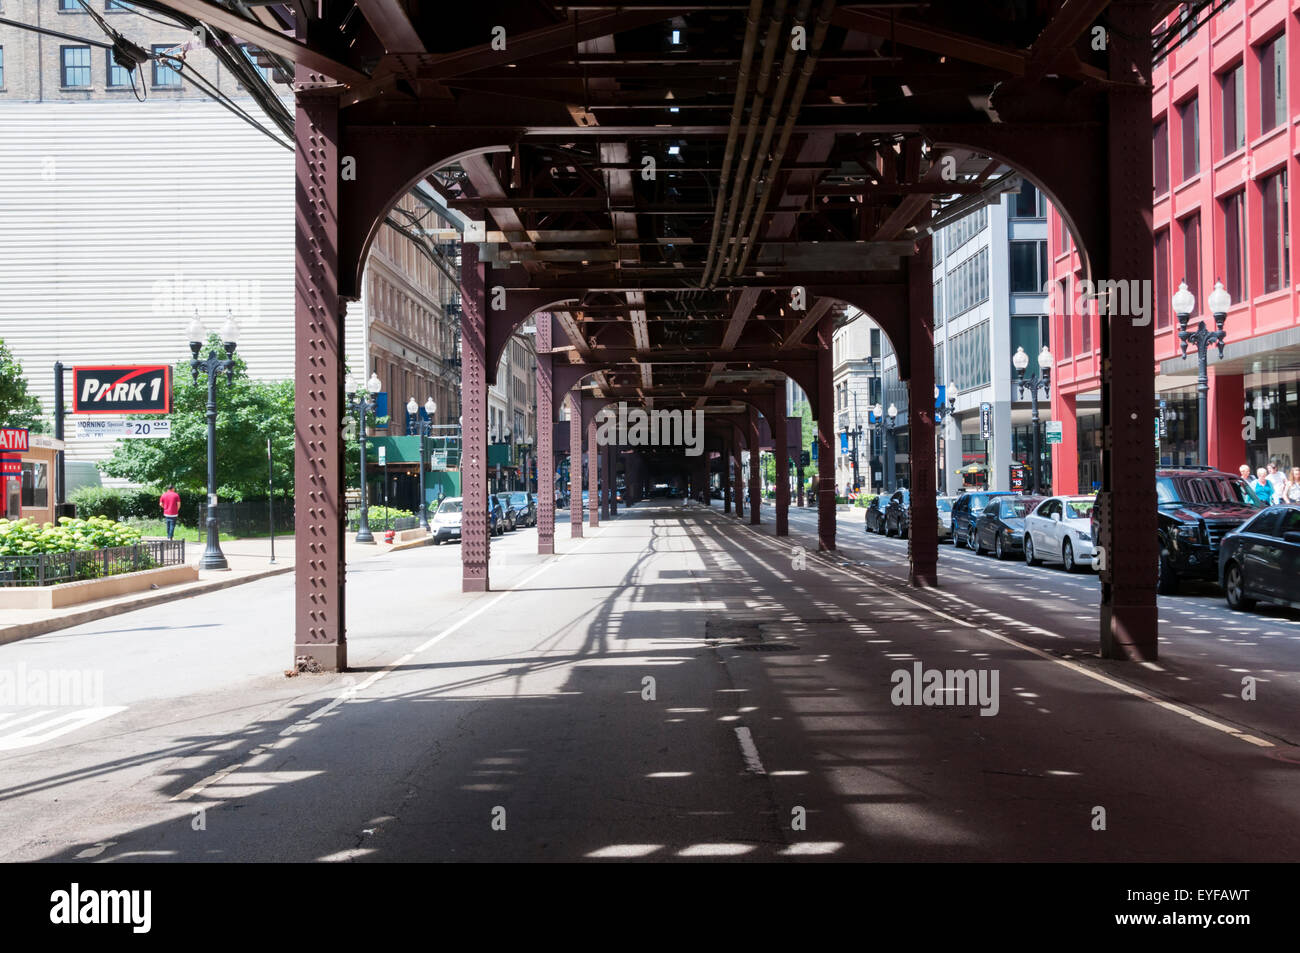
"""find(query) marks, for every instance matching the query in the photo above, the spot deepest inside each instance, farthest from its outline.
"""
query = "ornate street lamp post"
(1184, 304)
(425, 428)
(941, 413)
(889, 420)
(1020, 361)
(214, 364)
(363, 402)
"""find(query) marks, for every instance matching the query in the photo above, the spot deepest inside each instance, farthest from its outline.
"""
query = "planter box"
(88, 590)
(406, 535)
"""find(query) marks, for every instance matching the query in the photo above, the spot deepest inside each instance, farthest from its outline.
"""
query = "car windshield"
(1205, 488)
(449, 506)
(1012, 509)
(1078, 509)
(518, 499)
(945, 506)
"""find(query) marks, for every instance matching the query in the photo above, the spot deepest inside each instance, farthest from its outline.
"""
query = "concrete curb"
(27, 630)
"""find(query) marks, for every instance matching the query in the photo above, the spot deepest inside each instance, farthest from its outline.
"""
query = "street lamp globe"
(1184, 302)
(893, 411)
(230, 332)
(430, 407)
(350, 385)
(1044, 360)
(195, 332)
(412, 407)
(1020, 361)
(878, 411)
(373, 385)
(1219, 301)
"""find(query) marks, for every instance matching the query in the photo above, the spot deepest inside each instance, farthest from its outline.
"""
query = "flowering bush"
(25, 538)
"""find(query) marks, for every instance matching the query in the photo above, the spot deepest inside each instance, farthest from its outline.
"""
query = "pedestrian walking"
(1277, 479)
(1291, 490)
(171, 507)
(1244, 470)
(1263, 489)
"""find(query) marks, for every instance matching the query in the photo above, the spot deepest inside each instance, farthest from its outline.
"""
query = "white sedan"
(1059, 530)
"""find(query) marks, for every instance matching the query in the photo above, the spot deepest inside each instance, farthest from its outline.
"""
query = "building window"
(1030, 332)
(165, 75)
(1272, 83)
(1234, 246)
(1192, 257)
(1028, 202)
(964, 229)
(117, 75)
(69, 6)
(75, 64)
(1161, 296)
(1277, 264)
(938, 303)
(1067, 330)
(1085, 329)
(1065, 232)
(1160, 157)
(117, 6)
(970, 356)
(968, 284)
(1190, 131)
(36, 491)
(2, 67)
(1028, 267)
(1232, 86)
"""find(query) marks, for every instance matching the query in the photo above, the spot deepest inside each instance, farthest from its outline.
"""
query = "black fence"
(48, 569)
(250, 517)
(377, 522)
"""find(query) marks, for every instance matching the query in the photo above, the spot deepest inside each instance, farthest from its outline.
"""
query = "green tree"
(248, 413)
(17, 407)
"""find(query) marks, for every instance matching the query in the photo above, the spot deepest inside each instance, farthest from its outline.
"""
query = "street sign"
(814, 450)
(986, 421)
(13, 438)
(117, 389)
(438, 459)
(383, 458)
(1055, 432)
(117, 429)
(940, 396)
(1158, 433)
(844, 443)
(1018, 471)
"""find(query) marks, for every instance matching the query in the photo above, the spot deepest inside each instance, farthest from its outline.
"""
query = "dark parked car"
(898, 515)
(875, 515)
(496, 517)
(967, 509)
(1261, 559)
(512, 519)
(1196, 508)
(525, 508)
(1000, 529)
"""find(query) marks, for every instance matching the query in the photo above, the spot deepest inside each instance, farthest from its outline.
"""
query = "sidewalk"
(249, 560)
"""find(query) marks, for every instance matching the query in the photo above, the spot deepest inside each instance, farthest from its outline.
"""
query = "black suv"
(1196, 508)
(966, 510)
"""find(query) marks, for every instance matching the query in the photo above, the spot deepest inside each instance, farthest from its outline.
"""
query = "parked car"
(512, 519)
(875, 515)
(1196, 507)
(966, 510)
(1060, 530)
(496, 517)
(445, 524)
(1000, 529)
(944, 504)
(1260, 560)
(525, 508)
(898, 515)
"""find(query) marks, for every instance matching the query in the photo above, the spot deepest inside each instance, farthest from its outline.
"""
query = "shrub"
(103, 501)
(25, 538)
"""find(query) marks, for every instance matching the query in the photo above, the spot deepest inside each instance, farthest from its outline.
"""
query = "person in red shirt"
(171, 507)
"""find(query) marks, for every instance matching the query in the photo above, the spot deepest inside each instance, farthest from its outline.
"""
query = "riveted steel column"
(825, 437)
(755, 477)
(319, 519)
(575, 464)
(923, 537)
(1128, 496)
(739, 478)
(607, 462)
(782, 464)
(475, 542)
(593, 475)
(545, 441)
(726, 476)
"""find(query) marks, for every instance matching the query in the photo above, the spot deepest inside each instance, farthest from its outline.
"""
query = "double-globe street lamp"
(1184, 304)
(1020, 361)
(889, 421)
(853, 435)
(426, 427)
(214, 364)
(942, 412)
(363, 402)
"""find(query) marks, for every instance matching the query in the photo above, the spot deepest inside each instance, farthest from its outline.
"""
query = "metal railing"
(250, 517)
(49, 569)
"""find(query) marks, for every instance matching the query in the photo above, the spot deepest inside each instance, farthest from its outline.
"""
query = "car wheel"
(1166, 578)
(971, 540)
(436, 541)
(1234, 588)
(1030, 558)
(975, 543)
(997, 548)
(1067, 557)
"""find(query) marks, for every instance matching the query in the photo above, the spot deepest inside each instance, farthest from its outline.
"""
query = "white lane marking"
(749, 750)
(353, 690)
(1072, 666)
(36, 732)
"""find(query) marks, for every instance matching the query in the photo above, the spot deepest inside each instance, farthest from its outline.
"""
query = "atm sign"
(134, 389)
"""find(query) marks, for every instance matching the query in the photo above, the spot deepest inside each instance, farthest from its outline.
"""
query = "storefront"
(31, 495)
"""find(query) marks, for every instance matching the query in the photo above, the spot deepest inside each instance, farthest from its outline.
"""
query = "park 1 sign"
(1055, 432)
(13, 438)
(115, 429)
(118, 389)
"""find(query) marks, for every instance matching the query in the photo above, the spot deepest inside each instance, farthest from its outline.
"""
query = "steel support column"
(607, 462)
(575, 464)
(1128, 497)
(475, 538)
(779, 429)
(726, 476)
(825, 436)
(320, 635)
(739, 478)
(923, 536)
(545, 441)
(755, 478)
(593, 475)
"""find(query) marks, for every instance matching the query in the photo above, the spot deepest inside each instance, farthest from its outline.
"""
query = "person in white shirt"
(1277, 479)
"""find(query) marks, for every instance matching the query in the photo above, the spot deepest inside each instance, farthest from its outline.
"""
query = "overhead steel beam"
(392, 25)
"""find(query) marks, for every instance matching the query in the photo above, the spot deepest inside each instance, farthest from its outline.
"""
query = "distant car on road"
(1001, 527)
(898, 514)
(944, 503)
(875, 515)
(525, 508)
(966, 510)
(511, 515)
(496, 517)
(1260, 561)
(446, 520)
(1060, 530)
